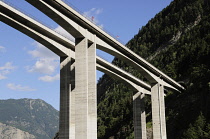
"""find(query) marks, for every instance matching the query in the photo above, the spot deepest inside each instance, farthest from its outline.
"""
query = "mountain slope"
(177, 41)
(8, 132)
(30, 115)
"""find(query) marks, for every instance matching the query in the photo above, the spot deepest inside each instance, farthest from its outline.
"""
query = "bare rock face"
(9, 132)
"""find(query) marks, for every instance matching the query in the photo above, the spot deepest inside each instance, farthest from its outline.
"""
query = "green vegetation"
(31, 115)
(177, 41)
(199, 130)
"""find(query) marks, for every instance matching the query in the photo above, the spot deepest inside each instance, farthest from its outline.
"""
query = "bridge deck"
(72, 14)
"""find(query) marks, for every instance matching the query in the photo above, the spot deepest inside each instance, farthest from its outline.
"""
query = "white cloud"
(2, 49)
(5, 70)
(7, 66)
(19, 87)
(42, 52)
(2, 77)
(98, 11)
(64, 33)
(46, 60)
(48, 78)
(44, 66)
(92, 14)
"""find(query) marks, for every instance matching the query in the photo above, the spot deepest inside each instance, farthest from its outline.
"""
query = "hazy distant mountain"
(9, 132)
(30, 115)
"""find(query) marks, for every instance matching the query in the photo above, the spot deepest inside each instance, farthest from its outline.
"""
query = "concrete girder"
(122, 73)
(63, 7)
(112, 74)
(85, 23)
(153, 70)
(68, 14)
(25, 18)
(158, 107)
(71, 27)
(58, 17)
(147, 74)
(49, 43)
(35, 25)
(64, 52)
(107, 48)
(36, 31)
(100, 43)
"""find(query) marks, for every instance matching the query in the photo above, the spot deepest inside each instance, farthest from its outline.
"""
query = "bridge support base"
(67, 85)
(139, 116)
(158, 112)
(85, 97)
(92, 91)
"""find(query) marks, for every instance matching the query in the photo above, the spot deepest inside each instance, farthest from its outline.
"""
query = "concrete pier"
(67, 85)
(158, 111)
(81, 96)
(139, 116)
(92, 91)
(78, 100)
(85, 98)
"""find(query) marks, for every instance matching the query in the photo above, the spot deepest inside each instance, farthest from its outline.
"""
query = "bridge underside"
(78, 64)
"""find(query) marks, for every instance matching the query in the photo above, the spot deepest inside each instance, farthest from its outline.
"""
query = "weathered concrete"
(58, 38)
(92, 91)
(20, 18)
(81, 122)
(67, 107)
(122, 73)
(73, 22)
(139, 116)
(85, 98)
(50, 41)
(158, 112)
(81, 97)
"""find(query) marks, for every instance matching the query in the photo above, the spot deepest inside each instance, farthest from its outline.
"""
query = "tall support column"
(158, 112)
(139, 116)
(92, 93)
(72, 104)
(81, 96)
(143, 117)
(67, 83)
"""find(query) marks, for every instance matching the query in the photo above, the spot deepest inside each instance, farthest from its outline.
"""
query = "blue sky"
(29, 70)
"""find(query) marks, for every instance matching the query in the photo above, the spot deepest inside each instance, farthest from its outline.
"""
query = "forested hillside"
(176, 41)
(31, 118)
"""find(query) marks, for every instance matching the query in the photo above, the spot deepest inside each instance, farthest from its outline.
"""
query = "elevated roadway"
(75, 24)
(61, 45)
(79, 63)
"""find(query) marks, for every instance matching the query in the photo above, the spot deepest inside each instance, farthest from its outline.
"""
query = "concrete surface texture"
(78, 65)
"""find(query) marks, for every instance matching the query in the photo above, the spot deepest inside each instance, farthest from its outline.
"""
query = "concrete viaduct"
(78, 65)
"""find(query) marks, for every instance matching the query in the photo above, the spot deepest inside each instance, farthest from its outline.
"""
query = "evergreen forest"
(176, 41)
